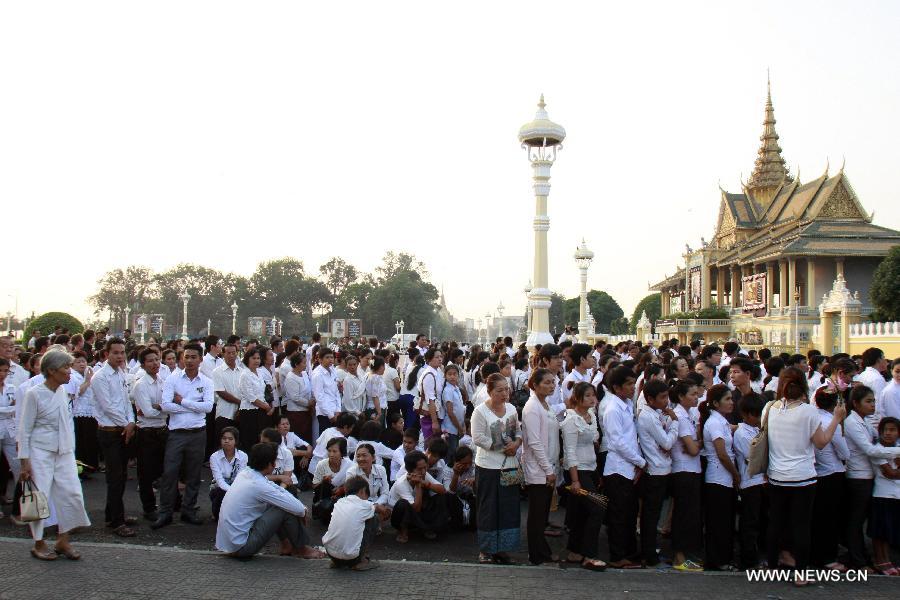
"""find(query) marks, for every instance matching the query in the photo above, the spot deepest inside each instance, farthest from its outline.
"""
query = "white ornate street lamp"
(797, 320)
(209, 327)
(234, 308)
(500, 309)
(583, 258)
(184, 297)
(127, 318)
(527, 291)
(542, 138)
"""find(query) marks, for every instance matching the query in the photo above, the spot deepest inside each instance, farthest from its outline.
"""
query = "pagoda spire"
(769, 170)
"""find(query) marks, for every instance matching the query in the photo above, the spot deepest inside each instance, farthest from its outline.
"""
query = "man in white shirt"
(151, 430)
(874, 365)
(354, 524)
(623, 468)
(254, 509)
(311, 351)
(17, 374)
(417, 500)
(187, 397)
(226, 379)
(583, 368)
(115, 428)
(211, 361)
(325, 390)
(422, 344)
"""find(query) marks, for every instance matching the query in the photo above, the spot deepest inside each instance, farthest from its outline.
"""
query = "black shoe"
(191, 518)
(161, 522)
(151, 515)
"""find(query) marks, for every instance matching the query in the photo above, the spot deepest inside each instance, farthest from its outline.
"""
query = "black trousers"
(433, 516)
(86, 442)
(621, 513)
(368, 536)
(250, 424)
(455, 510)
(652, 490)
(750, 524)
(115, 454)
(790, 517)
(324, 423)
(184, 454)
(686, 526)
(216, 495)
(539, 497)
(826, 531)
(718, 502)
(212, 439)
(584, 519)
(151, 454)
(859, 496)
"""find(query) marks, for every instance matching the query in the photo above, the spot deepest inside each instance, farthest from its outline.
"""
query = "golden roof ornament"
(769, 170)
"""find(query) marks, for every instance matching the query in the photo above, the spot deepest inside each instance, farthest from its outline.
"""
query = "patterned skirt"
(497, 513)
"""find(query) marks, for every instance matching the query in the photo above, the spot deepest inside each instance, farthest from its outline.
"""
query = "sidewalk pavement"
(116, 571)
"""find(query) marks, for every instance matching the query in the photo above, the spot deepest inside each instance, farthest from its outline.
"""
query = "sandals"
(593, 564)
(574, 558)
(45, 555)
(366, 565)
(68, 553)
(124, 531)
(887, 569)
(485, 559)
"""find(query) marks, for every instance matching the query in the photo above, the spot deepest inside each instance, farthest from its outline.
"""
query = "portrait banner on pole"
(753, 292)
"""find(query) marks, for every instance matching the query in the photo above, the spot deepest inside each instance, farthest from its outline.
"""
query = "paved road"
(115, 571)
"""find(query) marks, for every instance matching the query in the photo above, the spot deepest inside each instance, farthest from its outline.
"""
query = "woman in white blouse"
(47, 454)
(364, 466)
(861, 436)
(829, 487)
(540, 461)
(353, 389)
(297, 390)
(794, 433)
(722, 477)
(254, 408)
(391, 383)
(496, 434)
(583, 517)
(225, 463)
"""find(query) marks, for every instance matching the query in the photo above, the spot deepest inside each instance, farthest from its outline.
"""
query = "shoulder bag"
(758, 460)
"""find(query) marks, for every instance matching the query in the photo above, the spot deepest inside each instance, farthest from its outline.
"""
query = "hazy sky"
(225, 133)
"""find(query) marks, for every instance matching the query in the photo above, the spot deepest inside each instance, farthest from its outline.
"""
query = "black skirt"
(884, 520)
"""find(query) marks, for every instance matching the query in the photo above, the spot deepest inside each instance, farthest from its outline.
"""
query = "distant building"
(776, 238)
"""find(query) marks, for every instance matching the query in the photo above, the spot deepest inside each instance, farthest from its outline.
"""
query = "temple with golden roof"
(787, 259)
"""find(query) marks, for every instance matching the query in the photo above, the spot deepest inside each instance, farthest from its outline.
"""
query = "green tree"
(48, 321)
(885, 290)
(396, 262)
(649, 303)
(211, 291)
(402, 296)
(131, 287)
(603, 307)
(557, 313)
(282, 288)
(338, 275)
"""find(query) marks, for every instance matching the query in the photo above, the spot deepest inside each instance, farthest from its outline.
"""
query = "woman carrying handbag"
(47, 453)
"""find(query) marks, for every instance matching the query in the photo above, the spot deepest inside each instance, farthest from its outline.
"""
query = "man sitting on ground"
(254, 509)
(354, 524)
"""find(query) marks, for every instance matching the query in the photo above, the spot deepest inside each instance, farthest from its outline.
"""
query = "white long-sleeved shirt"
(252, 387)
(45, 422)
(887, 403)
(325, 391)
(861, 443)
(82, 404)
(224, 470)
(624, 454)
(743, 435)
(682, 462)
(226, 379)
(112, 407)
(830, 459)
(871, 378)
(247, 499)
(379, 487)
(196, 400)
(209, 364)
(8, 411)
(715, 428)
(147, 392)
(353, 395)
(579, 438)
(297, 392)
(656, 436)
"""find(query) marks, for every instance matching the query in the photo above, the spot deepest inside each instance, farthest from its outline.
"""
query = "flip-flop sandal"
(574, 561)
(43, 555)
(552, 533)
(368, 565)
(485, 559)
(70, 554)
(594, 565)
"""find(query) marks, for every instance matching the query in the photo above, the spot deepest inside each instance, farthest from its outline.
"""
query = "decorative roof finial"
(843, 163)
(541, 104)
(769, 170)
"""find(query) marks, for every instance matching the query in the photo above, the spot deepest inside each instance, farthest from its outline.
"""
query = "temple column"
(735, 286)
(782, 283)
(705, 285)
(810, 281)
(720, 287)
(825, 341)
(770, 286)
(663, 304)
(792, 281)
(839, 267)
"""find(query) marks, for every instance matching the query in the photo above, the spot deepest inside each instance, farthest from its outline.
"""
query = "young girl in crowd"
(453, 423)
(752, 489)
(884, 517)
(686, 482)
(225, 465)
(720, 479)
(353, 389)
(376, 392)
(328, 479)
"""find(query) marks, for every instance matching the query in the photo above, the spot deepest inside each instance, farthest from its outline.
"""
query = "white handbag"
(33, 503)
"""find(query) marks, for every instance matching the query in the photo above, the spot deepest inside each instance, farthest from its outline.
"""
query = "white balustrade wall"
(872, 329)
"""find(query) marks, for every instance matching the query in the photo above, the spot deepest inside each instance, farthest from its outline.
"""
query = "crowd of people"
(646, 441)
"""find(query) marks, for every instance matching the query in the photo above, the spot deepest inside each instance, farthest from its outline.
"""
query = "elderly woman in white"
(47, 454)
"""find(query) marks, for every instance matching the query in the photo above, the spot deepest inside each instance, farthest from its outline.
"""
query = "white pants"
(57, 476)
(8, 448)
